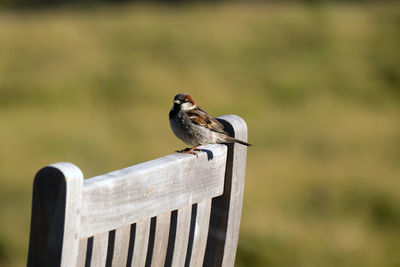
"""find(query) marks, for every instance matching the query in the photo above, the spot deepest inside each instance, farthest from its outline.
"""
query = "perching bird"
(195, 127)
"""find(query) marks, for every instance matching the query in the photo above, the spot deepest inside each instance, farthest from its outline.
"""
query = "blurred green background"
(318, 84)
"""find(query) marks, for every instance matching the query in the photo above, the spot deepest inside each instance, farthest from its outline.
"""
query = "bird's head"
(184, 102)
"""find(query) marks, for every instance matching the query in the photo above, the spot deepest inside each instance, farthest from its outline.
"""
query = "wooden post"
(226, 209)
(56, 204)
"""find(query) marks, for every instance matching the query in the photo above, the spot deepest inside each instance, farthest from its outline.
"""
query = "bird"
(195, 127)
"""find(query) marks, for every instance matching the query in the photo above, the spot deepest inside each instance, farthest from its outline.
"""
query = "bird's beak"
(177, 101)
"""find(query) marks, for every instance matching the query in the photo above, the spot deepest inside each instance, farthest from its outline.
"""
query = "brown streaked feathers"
(200, 117)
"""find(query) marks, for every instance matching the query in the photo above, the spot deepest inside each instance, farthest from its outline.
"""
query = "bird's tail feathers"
(234, 140)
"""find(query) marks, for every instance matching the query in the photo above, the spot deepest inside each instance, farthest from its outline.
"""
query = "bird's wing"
(200, 117)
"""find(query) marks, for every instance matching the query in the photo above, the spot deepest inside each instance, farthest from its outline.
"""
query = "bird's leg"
(189, 150)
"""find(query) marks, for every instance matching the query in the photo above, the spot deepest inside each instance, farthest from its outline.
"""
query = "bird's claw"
(189, 150)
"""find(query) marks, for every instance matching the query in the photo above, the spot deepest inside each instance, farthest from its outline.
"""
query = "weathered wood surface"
(82, 252)
(178, 210)
(151, 188)
(237, 166)
(160, 240)
(181, 239)
(121, 246)
(99, 252)
(57, 194)
(141, 243)
(226, 209)
(200, 238)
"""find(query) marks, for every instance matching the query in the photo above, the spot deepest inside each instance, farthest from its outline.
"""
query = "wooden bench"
(177, 210)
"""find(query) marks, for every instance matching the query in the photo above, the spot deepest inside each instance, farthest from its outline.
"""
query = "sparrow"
(195, 127)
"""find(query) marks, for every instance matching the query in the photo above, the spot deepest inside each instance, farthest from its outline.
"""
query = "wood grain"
(161, 240)
(200, 233)
(121, 246)
(141, 243)
(99, 254)
(181, 237)
(82, 252)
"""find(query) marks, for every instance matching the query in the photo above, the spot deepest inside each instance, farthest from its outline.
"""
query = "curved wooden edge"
(70, 171)
(57, 193)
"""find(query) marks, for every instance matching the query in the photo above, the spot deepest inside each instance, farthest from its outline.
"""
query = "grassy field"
(319, 87)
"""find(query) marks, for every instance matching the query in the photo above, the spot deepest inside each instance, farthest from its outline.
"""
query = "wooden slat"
(226, 209)
(141, 243)
(161, 240)
(182, 236)
(151, 188)
(200, 233)
(121, 246)
(82, 252)
(99, 254)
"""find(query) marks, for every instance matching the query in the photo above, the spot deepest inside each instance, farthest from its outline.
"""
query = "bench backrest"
(177, 210)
